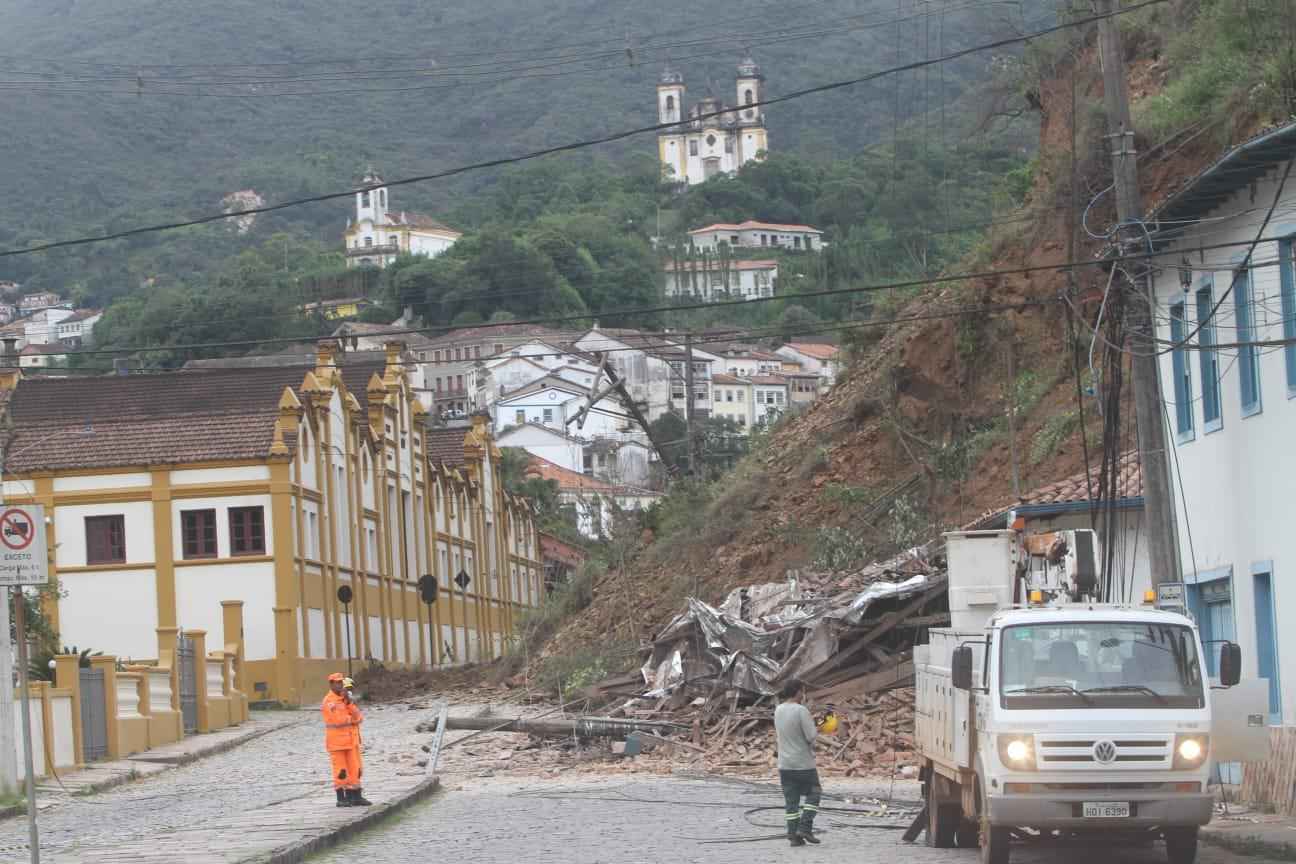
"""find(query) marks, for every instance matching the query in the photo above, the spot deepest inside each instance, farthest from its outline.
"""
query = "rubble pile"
(718, 671)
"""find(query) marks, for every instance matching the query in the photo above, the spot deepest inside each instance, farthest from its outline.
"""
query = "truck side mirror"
(1230, 664)
(961, 668)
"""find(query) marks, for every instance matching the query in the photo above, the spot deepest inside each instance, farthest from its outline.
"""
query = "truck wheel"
(942, 819)
(1181, 845)
(994, 843)
(968, 834)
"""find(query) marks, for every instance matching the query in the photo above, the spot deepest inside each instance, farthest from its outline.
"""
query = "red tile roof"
(768, 380)
(152, 419)
(720, 378)
(446, 445)
(566, 479)
(1073, 489)
(816, 350)
(752, 225)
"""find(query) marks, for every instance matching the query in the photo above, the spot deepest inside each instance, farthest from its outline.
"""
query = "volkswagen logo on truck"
(1105, 752)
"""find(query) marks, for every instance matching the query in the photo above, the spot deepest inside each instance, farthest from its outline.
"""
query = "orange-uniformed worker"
(348, 685)
(341, 738)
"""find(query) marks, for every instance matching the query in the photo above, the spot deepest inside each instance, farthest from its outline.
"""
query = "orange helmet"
(336, 676)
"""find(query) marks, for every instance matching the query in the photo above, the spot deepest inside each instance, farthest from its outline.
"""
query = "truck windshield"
(1099, 664)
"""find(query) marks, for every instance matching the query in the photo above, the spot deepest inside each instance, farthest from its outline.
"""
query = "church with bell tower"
(712, 138)
(379, 234)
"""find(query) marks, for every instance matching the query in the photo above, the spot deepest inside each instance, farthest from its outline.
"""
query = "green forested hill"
(125, 112)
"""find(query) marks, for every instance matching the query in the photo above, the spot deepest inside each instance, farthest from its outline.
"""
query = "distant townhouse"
(547, 442)
(595, 501)
(803, 387)
(39, 300)
(78, 328)
(1226, 321)
(7, 312)
(750, 362)
(756, 235)
(342, 307)
(733, 399)
(175, 497)
(649, 365)
(822, 359)
(714, 279)
(769, 398)
(42, 355)
(553, 402)
(41, 327)
(621, 461)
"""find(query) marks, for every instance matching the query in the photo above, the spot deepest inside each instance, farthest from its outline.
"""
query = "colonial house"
(171, 494)
(42, 356)
(342, 307)
(803, 387)
(7, 312)
(733, 399)
(551, 401)
(641, 361)
(41, 328)
(38, 300)
(750, 362)
(621, 461)
(756, 235)
(78, 328)
(379, 235)
(525, 364)
(721, 279)
(769, 398)
(595, 501)
(1225, 290)
(821, 359)
(547, 442)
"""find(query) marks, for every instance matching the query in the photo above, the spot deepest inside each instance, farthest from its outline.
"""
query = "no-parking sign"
(23, 555)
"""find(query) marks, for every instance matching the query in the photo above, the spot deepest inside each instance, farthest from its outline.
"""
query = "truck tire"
(1181, 845)
(942, 818)
(994, 838)
(968, 835)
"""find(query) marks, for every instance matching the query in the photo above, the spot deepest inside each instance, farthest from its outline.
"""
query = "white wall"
(200, 590)
(69, 525)
(1237, 479)
(232, 474)
(560, 451)
(743, 284)
(101, 481)
(96, 605)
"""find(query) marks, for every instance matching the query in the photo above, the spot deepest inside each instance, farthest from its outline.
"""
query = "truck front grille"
(1126, 752)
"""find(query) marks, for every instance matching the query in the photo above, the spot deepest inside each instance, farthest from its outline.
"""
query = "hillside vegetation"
(102, 134)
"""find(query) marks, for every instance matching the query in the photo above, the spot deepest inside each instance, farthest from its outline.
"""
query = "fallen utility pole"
(1158, 506)
(580, 727)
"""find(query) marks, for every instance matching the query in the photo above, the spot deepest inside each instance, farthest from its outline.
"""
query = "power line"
(578, 145)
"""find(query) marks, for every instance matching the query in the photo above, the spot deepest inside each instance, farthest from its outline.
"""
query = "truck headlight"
(1190, 750)
(1017, 751)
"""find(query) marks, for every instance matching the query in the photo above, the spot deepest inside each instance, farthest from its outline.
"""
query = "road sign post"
(344, 594)
(24, 560)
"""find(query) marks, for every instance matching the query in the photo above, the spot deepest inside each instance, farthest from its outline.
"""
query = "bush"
(837, 549)
(1055, 430)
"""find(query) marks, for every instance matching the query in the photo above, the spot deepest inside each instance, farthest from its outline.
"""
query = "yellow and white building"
(710, 139)
(169, 494)
(378, 234)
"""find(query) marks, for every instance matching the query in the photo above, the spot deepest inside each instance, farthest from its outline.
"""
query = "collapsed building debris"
(849, 638)
(568, 727)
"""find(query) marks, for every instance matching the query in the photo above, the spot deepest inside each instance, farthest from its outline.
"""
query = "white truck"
(1042, 713)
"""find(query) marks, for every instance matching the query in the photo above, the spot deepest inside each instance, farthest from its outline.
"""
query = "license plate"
(1106, 809)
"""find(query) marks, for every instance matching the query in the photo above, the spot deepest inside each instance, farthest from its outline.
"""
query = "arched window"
(382, 193)
(748, 98)
(670, 104)
(364, 199)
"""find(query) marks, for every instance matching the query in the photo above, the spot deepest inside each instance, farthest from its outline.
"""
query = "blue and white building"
(1225, 292)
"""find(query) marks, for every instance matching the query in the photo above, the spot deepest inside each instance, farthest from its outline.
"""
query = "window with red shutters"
(247, 530)
(198, 533)
(105, 539)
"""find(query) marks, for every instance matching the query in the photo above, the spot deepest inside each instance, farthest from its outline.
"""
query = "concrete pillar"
(67, 676)
(108, 665)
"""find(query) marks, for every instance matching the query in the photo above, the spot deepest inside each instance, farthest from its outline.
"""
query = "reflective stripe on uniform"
(812, 808)
(791, 816)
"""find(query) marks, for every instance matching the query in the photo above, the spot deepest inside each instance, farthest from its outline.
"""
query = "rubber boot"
(342, 798)
(358, 799)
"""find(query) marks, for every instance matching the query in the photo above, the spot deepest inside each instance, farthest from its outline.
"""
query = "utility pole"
(8, 746)
(688, 402)
(1158, 505)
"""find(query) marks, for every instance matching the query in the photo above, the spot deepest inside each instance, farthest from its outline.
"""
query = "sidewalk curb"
(295, 853)
(1251, 845)
(168, 764)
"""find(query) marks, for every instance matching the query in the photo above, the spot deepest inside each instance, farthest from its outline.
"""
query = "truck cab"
(1062, 715)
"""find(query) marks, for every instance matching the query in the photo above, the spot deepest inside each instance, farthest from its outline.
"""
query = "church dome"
(748, 68)
(670, 76)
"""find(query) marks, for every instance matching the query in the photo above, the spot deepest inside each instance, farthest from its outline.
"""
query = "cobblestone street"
(221, 802)
(645, 819)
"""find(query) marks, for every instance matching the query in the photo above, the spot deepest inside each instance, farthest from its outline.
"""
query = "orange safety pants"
(346, 768)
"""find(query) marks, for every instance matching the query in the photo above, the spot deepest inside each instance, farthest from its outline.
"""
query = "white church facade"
(711, 139)
(378, 235)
